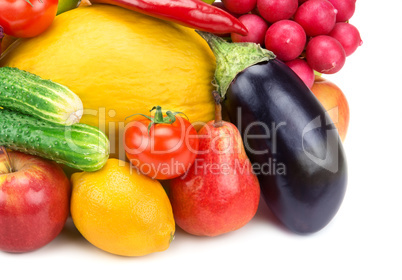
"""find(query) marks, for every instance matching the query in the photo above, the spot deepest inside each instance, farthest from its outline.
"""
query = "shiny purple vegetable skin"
(308, 172)
(292, 143)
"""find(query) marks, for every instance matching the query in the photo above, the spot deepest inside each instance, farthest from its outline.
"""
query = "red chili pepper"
(191, 13)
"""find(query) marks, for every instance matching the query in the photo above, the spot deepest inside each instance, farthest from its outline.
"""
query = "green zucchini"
(30, 94)
(79, 146)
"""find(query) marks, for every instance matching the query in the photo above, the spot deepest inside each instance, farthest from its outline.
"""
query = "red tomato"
(166, 151)
(22, 19)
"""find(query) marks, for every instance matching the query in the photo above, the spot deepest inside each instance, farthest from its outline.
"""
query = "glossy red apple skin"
(220, 193)
(335, 102)
(34, 203)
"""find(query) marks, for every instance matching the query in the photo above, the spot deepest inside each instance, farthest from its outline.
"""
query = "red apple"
(334, 101)
(34, 202)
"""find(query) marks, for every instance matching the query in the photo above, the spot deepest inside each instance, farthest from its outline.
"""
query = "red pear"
(219, 193)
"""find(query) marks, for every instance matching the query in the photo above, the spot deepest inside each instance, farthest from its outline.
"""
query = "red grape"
(348, 36)
(286, 39)
(303, 70)
(325, 54)
(257, 27)
(345, 8)
(317, 17)
(239, 6)
(276, 10)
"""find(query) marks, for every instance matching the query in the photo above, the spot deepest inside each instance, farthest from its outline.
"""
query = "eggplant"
(292, 143)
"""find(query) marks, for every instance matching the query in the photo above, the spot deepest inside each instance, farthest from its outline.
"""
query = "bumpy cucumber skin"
(79, 146)
(30, 94)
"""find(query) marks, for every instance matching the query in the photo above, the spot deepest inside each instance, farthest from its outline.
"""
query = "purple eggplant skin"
(285, 129)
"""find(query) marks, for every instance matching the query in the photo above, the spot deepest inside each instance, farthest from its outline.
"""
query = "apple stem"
(8, 160)
(218, 109)
(1, 36)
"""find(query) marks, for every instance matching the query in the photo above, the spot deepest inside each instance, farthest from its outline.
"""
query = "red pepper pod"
(191, 13)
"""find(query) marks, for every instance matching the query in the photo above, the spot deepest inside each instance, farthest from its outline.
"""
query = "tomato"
(162, 147)
(23, 18)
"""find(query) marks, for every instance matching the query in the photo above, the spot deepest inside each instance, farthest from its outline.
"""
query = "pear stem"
(218, 109)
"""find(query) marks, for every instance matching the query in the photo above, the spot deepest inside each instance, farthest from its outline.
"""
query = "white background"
(363, 240)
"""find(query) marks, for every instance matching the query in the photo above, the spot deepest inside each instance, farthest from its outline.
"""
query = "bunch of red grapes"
(307, 35)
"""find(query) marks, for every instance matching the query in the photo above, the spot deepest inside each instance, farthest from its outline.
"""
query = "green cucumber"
(30, 94)
(79, 146)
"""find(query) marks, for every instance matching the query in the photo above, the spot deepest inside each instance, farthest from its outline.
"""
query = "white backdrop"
(364, 239)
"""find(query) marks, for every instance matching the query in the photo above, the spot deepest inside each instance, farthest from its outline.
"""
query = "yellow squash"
(121, 63)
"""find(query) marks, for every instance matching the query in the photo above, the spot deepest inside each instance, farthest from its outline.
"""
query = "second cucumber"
(79, 146)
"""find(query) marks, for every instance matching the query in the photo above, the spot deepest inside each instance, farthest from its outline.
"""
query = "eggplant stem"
(233, 58)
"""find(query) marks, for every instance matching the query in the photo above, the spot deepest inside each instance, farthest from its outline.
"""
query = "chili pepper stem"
(232, 58)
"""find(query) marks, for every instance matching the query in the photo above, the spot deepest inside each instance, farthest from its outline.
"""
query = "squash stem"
(233, 58)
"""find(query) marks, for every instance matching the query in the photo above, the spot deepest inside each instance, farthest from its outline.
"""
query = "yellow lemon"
(121, 63)
(121, 211)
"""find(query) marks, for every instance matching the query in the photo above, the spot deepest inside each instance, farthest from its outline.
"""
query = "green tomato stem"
(158, 117)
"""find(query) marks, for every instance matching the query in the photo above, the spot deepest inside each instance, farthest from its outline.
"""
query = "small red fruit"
(256, 26)
(303, 70)
(317, 17)
(348, 35)
(286, 39)
(345, 8)
(239, 6)
(325, 54)
(276, 10)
